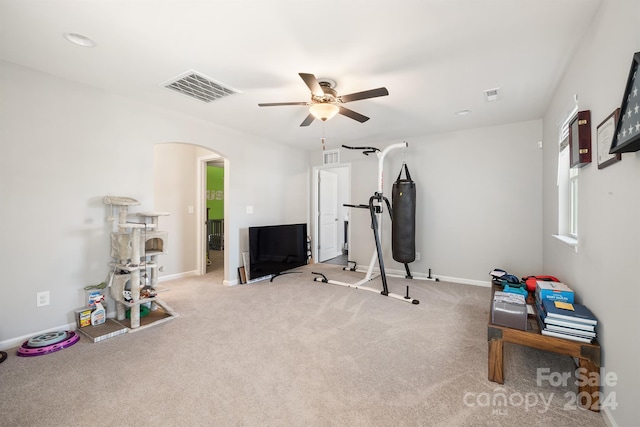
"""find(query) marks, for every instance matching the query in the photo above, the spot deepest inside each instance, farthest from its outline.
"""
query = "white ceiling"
(435, 57)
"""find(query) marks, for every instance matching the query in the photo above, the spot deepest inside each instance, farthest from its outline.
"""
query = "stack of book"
(560, 316)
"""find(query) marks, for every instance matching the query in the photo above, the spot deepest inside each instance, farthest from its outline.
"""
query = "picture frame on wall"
(626, 138)
(604, 136)
(580, 140)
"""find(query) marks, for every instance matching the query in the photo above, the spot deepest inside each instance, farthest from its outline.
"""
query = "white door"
(328, 215)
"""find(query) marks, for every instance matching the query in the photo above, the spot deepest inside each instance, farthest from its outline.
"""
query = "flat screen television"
(274, 249)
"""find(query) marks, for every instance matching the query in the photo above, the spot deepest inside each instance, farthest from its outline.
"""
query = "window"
(567, 186)
(573, 208)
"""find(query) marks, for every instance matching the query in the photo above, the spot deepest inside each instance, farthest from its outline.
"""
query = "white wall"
(66, 146)
(478, 202)
(604, 271)
(175, 190)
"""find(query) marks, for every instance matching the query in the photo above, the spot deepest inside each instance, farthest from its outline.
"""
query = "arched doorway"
(180, 188)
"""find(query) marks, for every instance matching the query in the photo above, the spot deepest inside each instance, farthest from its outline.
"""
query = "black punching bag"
(403, 224)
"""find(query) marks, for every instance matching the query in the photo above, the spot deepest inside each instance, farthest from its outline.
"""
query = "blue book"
(547, 322)
(540, 317)
(580, 313)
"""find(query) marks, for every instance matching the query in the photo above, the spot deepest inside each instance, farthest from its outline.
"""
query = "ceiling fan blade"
(276, 104)
(373, 93)
(352, 114)
(311, 81)
(308, 120)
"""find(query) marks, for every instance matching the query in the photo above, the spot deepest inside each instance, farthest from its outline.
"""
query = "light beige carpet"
(294, 352)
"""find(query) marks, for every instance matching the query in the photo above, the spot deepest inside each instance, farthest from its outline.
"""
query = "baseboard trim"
(482, 283)
(607, 416)
(178, 276)
(423, 276)
(193, 273)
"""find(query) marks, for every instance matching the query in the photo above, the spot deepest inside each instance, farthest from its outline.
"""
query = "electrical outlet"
(417, 256)
(42, 299)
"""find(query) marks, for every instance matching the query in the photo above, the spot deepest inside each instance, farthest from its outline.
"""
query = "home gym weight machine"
(375, 207)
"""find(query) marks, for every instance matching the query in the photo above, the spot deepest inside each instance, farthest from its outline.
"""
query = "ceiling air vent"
(198, 86)
(491, 95)
(330, 157)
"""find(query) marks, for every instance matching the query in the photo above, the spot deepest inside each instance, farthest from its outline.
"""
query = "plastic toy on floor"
(48, 343)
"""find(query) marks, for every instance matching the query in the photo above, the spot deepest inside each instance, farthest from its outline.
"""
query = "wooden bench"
(588, 355)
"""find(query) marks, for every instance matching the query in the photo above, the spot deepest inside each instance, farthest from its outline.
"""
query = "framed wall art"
(580, 140)
(604, 136)
(626, 138)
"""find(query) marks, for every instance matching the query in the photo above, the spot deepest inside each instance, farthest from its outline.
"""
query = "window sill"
(567, 240)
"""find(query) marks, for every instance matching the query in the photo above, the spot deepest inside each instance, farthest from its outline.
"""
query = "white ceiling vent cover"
(330, 157)
(492, 95)
(199, 86)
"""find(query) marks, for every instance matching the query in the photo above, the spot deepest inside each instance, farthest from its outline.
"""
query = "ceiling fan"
(325, 101)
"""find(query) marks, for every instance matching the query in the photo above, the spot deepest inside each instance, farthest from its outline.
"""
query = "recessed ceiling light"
(463, 112)
(79, 39)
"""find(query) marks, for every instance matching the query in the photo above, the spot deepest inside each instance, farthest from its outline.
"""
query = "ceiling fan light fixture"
(324, 111)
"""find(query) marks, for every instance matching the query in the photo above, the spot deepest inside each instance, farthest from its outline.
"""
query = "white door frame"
(315, 209)
(201, 202)
(328, 246)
